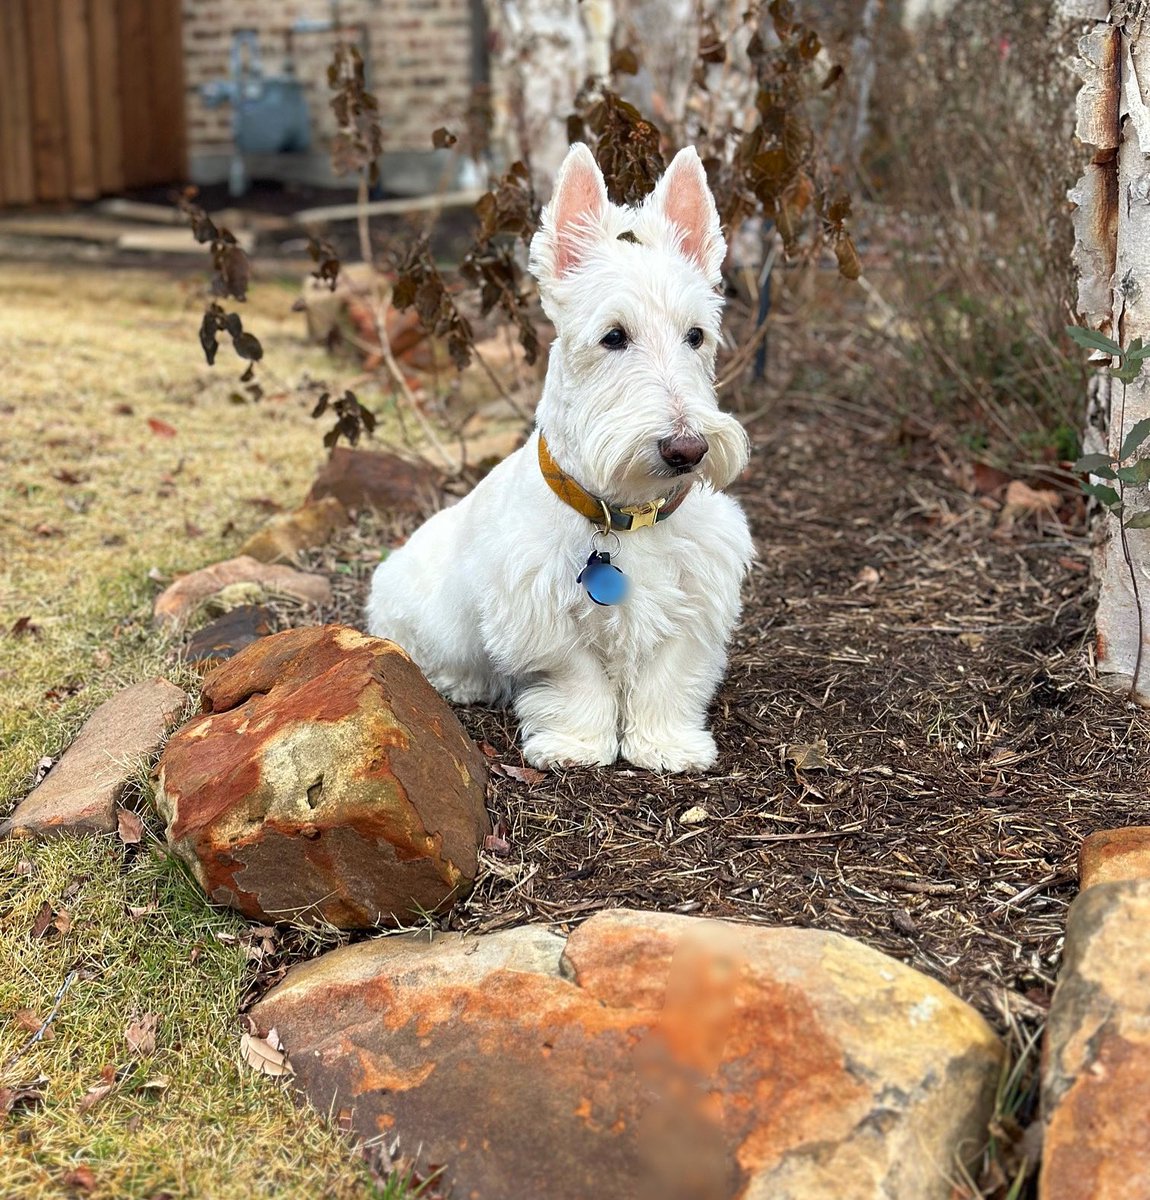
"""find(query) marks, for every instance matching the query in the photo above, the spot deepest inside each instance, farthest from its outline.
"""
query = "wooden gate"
(91, 97)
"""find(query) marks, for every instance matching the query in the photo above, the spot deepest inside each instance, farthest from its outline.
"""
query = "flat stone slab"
(646, 1057)
(1096, 1061)
(1111, 855)
(81, 791)
(179, 600)
(227, 635)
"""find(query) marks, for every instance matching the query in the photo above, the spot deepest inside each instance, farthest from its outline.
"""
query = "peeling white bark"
(542, 52)
(1112, 250)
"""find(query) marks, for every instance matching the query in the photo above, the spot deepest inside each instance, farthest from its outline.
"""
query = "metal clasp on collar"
(643, 516)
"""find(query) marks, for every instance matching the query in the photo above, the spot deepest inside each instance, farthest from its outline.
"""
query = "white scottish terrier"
(515, 592)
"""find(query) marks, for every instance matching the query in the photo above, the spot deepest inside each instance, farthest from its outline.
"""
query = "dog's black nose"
(683, 451)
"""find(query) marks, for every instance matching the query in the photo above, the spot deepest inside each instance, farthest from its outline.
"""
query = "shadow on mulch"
(943, 659)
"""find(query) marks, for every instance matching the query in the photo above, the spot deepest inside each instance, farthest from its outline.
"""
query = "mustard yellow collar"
(621, 518)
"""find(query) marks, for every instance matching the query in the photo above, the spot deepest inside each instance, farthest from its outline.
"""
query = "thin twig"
(379, 319)
(518, 409)
(39, 1034)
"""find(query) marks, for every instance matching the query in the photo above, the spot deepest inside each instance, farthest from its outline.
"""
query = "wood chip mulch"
(912, 747)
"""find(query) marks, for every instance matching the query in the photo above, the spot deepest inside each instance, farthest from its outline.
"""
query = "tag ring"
(604, 534)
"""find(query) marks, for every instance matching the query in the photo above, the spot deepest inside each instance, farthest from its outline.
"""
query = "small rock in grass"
(226, 636)
(648, 1056)
(325, 781)
(82, 790)
(370, 479)
(286, 534)
(1114, 854)
(176, 603)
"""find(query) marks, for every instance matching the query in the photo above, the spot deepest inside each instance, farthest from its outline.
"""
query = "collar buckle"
(643, 516)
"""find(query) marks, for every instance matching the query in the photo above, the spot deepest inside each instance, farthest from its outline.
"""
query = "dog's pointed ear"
(684, 198)
(572, 218)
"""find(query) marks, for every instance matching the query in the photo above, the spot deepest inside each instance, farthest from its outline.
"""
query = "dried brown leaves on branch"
(231, 274)
(625, 143)
(352, 419)
(359, 141)
(775, 168)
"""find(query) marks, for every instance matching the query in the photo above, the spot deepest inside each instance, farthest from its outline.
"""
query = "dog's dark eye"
(694, 337)
(616, 339)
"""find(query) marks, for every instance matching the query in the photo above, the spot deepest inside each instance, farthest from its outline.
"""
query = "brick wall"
(420, 62)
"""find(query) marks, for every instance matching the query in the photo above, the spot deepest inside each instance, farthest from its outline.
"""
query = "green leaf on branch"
(1096, 464)
(1091, 339)
(1137, 351)
(1139, 432)
(1138, 473)
(1139, 521)
(1128, 372)
(1100, 491)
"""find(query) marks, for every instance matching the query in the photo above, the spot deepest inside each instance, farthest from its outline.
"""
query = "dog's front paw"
(674, 753)
(551, 749)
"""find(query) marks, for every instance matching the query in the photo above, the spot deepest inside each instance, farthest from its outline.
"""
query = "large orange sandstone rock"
(326, 780)
(1096, 1058)
(646, 1057)
(1110, 855)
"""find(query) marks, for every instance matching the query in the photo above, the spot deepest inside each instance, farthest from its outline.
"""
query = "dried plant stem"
(504, 392)
(739, 363)
(379, 303)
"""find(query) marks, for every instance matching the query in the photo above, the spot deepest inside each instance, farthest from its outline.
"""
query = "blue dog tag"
(603, 581)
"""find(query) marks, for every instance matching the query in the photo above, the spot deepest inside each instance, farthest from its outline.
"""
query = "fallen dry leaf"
(868, 577)
(129, 827)
(141, 1034)
(24, 626)
(161, 428)
(158, 1083)
(30, 1020)
(497, 845)
(69, 477)
(93, 1096)
(810, 756)
(43, 921)
(62, 921)
(1022, 500)
(81, 1178)
(98, 1091)
(22, 1095)
(695, 815)
(265, 1054)
(527, 775)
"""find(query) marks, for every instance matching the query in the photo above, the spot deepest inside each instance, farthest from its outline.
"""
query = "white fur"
(484, 595)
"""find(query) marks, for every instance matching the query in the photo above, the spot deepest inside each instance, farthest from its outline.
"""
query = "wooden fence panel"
(91, 97)
(76, 69)
(15, 106)
(49, 118)
(107, 97)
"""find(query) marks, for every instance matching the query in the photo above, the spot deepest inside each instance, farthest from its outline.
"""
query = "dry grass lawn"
(92, 498)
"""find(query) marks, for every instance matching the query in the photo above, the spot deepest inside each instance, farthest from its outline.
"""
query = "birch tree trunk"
(1112, 254)
(542, 52)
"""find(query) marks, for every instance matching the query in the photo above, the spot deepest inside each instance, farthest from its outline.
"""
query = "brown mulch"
(941, 655)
